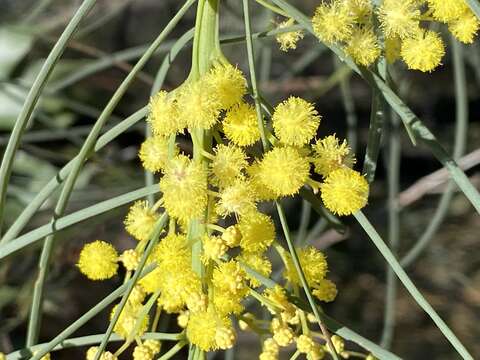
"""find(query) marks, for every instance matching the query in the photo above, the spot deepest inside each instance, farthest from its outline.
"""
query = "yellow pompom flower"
(130, 259)
(202, 329)
(228, 164)
(230, 277)
(262, 193)
(227, 303)
(237, 198)
(333, 22)
(361, 9)
(163, 115)
(399, 18)
(305, 344)
(198, 105)
(127, 322)
(154, 153)
(270, 350)
(282, 333)
(213, 248)
(2, 356)
(284, 170)
(240, 125)
(325, 290)
(142, 352)
(140, 220)
(424, 51)
(344, 192)
(92, 352)
(172, 252)
(288, 40)
(258, 232)
(153, 345)
(363, 46)
(338, 344)
(232, 236)
(258, 262)
(330, 154)
(184, 187)
(447, 10)
(98, 260)
(314, 265)
(295, 121)
(465, 27)
(225, 337)
(227, 84)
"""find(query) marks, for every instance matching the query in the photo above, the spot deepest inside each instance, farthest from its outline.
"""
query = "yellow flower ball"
(399, 18)
(363, 46)
(314, 265)
(330, 154)
(240, 125)
(228, 164)
(295, 121)
(284, 171)
(198, 106)
(236, 199)
(154, 153)
(98, 260)
(325, 290)
(447, 10)
(344, 192)
(184, 187)
(258, 232)
(465, 27)
(202, 329)
(256, 261)
(333, 22)
(163, 115)
(140, 220)
(424, 51)
(288, 40)
(227, 84)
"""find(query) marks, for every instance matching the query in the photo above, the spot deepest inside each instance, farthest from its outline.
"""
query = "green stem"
(271, 7)
(349, 107)
(412, 289)
(36, 309)
(89, 340)
(32, 99)
(160, 224)
(94, 311)
(461, 134)
(394, 156)
(253, 76)
(170, 353)
(303, 280)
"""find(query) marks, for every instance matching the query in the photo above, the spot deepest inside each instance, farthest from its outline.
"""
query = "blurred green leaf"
(14, 45)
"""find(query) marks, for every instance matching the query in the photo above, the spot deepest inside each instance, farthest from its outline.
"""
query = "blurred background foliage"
(113, 36)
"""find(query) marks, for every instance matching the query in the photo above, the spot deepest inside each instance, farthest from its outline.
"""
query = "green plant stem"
(414, 126)
(412, 289)
(303, 280)
(305, 216)
(170, 353)
(253, 77)
(74, 218)
(332, 324)
(160, 224)
(89, 340)
(377, 115)
(90, 314)
(461, 134)
(32, 99)
(393, 177)
(58, 179)
(36, 309)
(349, 108)
(271, 7)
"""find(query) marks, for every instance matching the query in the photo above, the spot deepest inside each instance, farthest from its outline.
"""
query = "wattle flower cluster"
(404, 28)
(218, 241)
